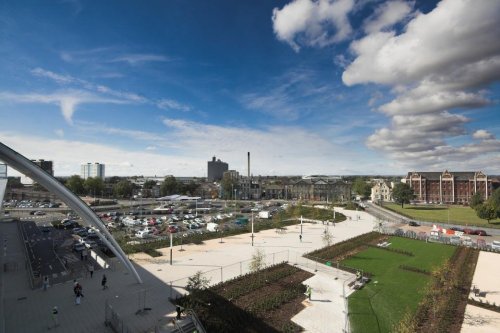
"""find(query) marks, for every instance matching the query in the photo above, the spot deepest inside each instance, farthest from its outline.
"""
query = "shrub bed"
(399, 251)
(341, 250)
(443, 306)
(414, 269)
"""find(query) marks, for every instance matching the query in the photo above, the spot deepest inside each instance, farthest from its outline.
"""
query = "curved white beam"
(25, 166)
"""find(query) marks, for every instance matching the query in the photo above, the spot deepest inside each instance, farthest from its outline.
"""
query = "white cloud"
(312, 22)
(436, 65)
(67, 100)
(62, 79)
(172, 104)
(482, 135)
(454, 34)
(387, 14)
(138, 58)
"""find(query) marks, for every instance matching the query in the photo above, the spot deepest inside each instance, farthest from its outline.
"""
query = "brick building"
(448, 187)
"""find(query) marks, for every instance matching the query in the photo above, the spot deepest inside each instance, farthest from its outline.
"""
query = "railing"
(196, 321)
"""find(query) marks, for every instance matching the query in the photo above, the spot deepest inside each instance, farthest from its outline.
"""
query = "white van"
(212, 227)
(495, 245)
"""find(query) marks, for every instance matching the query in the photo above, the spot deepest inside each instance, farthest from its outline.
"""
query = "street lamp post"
(252, 229)
(301, 225)
(171, 247)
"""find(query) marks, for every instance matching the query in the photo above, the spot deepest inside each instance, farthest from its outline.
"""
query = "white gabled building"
(382, 191)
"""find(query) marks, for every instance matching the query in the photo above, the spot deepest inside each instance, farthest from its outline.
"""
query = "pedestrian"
(179, 310)
(79, 296)
(75, 286)
(300, 237)
(55, 312)
(91, 270)
(309, 292)
(84, 254)
(103, 282)
(45, 282)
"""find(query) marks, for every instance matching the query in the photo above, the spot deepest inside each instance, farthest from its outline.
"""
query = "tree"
(228, 185)
(258, 261)
(327, 238)
(402, 193)
(361, 187)
(93, 186)
(75, 184)
(149, 184)
(197, 282)
(486, 211)
(123, 189)
(476, 200)
(494, 200)
(169, 186)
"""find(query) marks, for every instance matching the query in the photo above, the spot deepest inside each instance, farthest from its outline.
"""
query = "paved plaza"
(141, 307)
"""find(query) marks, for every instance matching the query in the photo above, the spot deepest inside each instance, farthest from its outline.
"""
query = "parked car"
(468, 231)
(173, 229)
(455, 240)
(495, 245)
(39, 213)
(79, 247)
(457, 229)
(480, 232)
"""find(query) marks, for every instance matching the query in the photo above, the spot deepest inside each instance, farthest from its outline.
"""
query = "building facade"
(320, 189)
(46, 166)
(381, 191)
(216, 169)
(96, 170)
(449, 187)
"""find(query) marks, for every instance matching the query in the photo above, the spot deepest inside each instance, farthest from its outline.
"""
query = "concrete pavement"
(140, 307)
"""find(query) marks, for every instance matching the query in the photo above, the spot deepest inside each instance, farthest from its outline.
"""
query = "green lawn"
(383, 301)
(458, 214)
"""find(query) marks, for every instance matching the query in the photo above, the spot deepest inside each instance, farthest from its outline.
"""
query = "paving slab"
(141, 306)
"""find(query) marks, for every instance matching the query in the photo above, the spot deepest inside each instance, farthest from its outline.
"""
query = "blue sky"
(308, 87)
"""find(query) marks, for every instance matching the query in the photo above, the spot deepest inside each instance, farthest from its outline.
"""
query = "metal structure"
(27, 167)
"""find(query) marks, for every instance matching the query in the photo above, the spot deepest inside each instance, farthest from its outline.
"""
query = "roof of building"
(458, 175)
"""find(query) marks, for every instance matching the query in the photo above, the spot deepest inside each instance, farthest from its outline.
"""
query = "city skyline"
(308, 87)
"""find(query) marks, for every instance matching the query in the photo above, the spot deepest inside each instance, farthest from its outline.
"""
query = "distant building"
(231, 174)
(216, 169)
(381, 191)
(449, 187)
(46, 166)
(321, 189)
(96, 170)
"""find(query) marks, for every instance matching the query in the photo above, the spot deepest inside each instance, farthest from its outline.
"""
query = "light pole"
(301, 225)
(252, 229)
(171, 247)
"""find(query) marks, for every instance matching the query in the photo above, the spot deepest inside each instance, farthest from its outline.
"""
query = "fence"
(479, 244)
(224, 273)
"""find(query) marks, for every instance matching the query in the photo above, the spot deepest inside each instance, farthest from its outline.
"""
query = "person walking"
(91, 270)
(55, 320)
(78, 298)
(75, 286)
(45, 282)
(104, 281)
(309, 292)
(300, 237)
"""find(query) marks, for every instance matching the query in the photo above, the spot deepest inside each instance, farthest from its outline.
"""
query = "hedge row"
(414, 269)
(338, 250)
(484, 305)
(391, 249)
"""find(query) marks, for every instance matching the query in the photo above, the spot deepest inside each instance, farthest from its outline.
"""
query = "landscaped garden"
(398, 282)
(263, 301)
(438, 213)
(415, 286)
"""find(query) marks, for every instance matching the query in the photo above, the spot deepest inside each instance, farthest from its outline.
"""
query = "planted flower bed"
(264, 301)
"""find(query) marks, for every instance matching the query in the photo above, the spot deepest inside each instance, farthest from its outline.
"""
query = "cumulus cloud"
(441, 62)
(313, 22)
